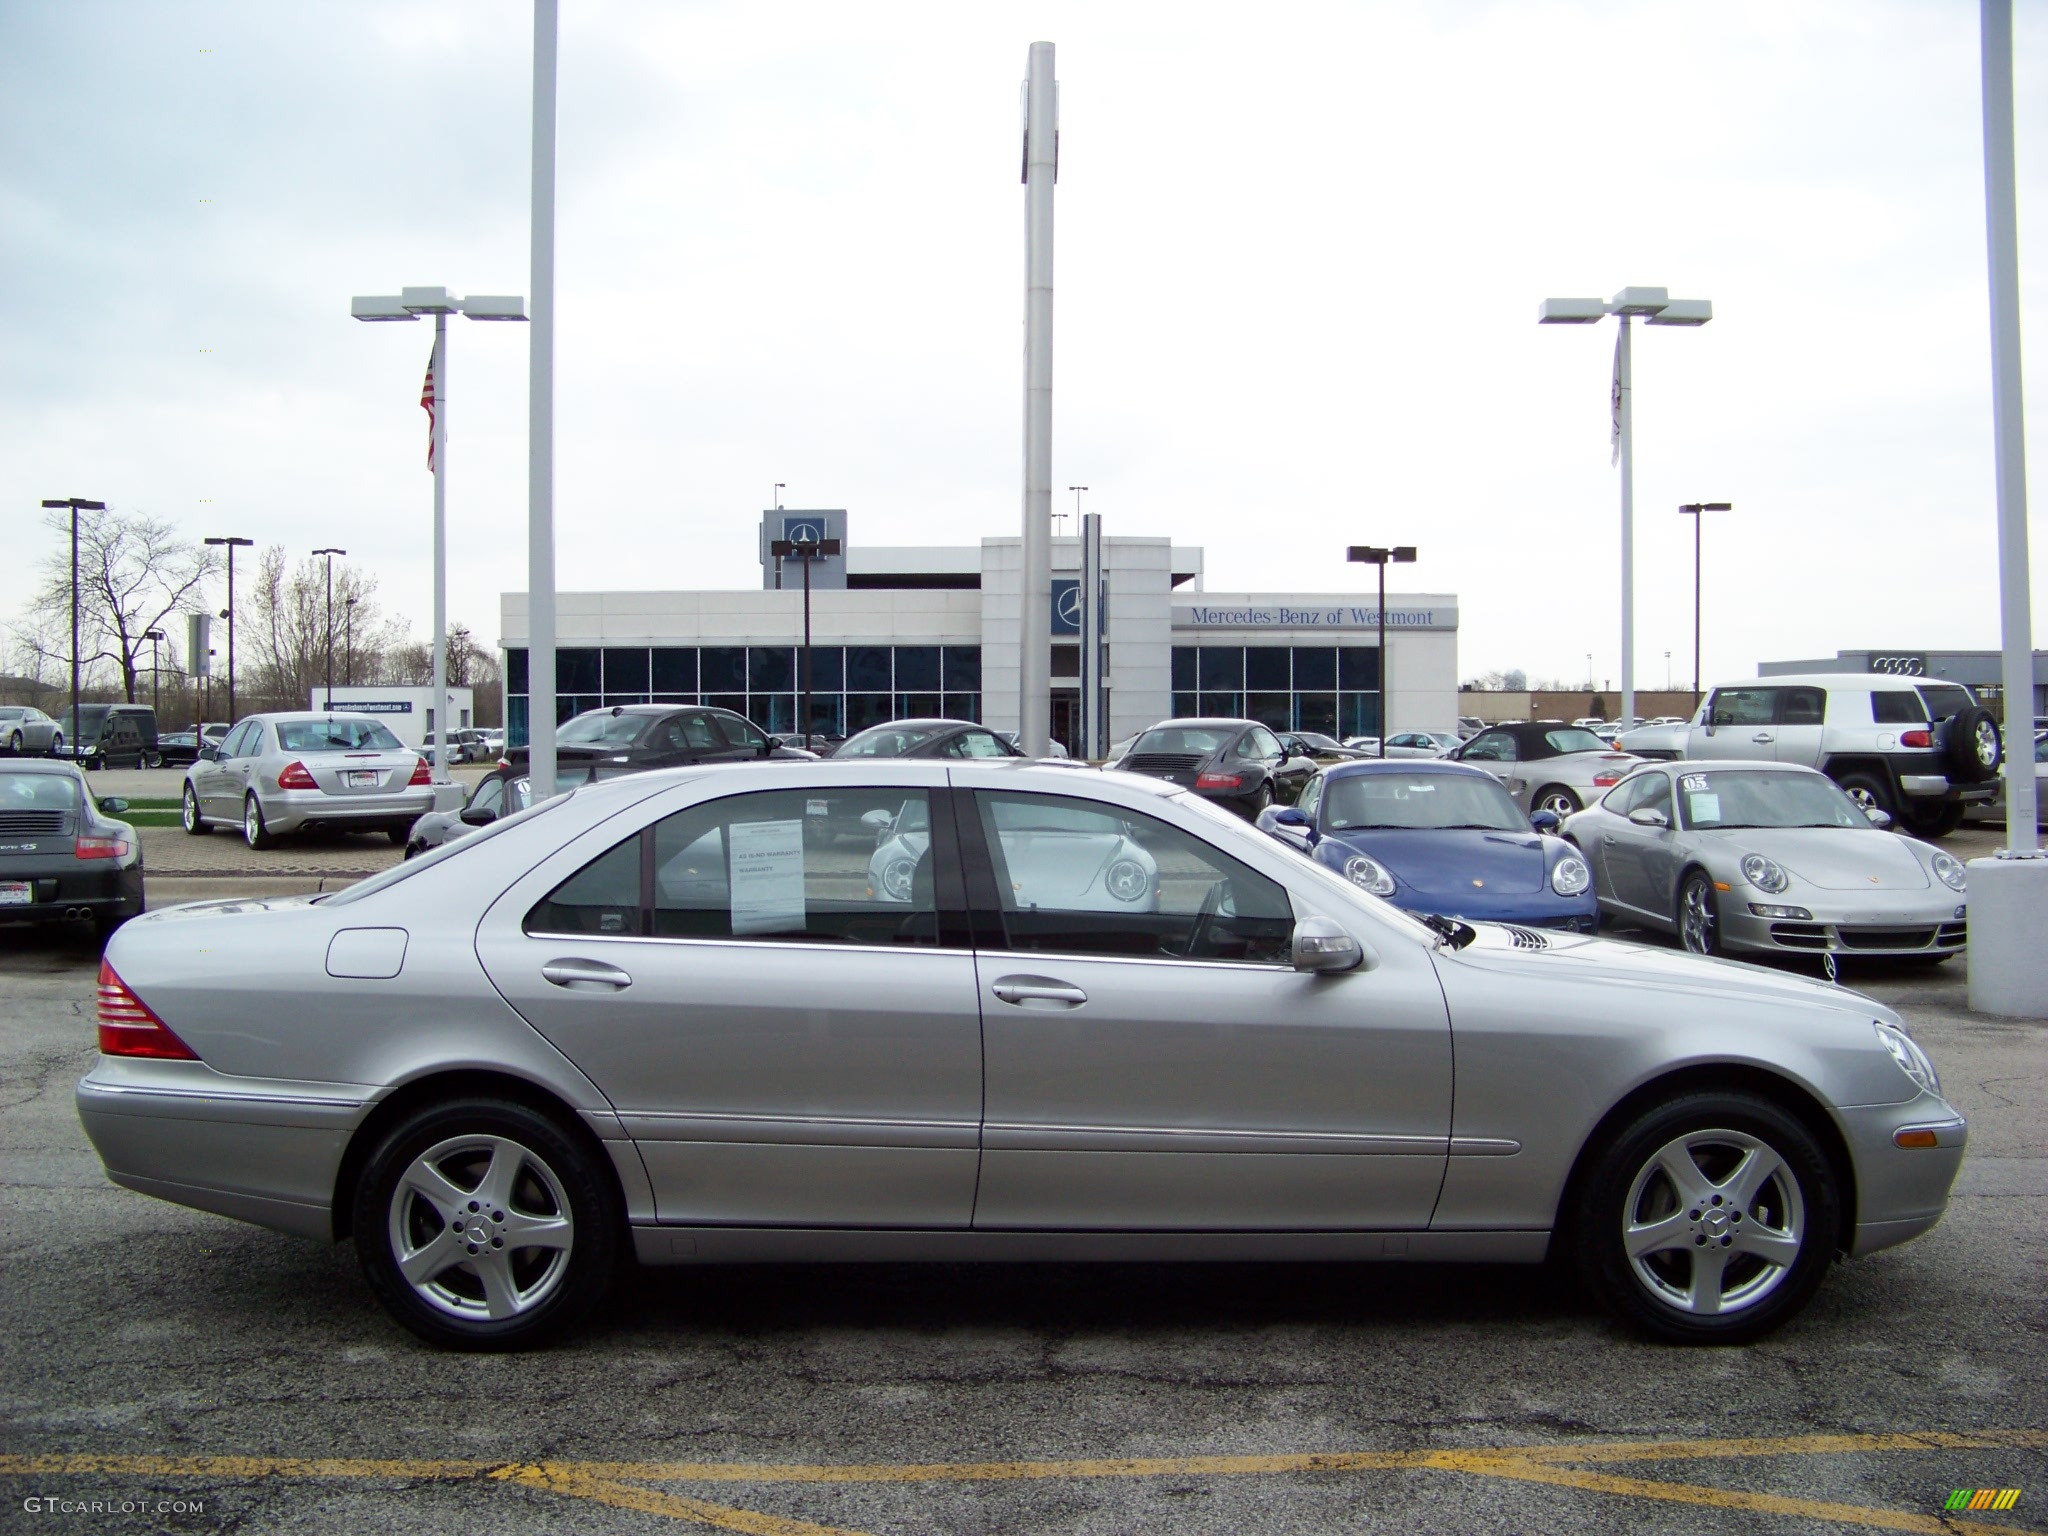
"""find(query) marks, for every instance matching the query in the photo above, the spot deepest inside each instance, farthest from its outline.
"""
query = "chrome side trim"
(798, 1130)
(1483, 1146)
(998, 1136)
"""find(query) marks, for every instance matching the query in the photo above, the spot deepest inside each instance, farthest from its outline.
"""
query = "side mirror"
(1649, 816)
(1544, 821)
(1878, 817)
(210, 754)
(1289, 816)
(1321, 946)
(113, 805)
(478, 815)
(876, 821)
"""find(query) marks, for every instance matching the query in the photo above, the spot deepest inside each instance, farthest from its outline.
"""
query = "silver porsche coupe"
(653, 1014)
(1768, 857)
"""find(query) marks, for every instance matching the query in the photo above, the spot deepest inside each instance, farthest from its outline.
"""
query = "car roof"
(309, 714)
(932, 722)
(1199, 720)
(40, 765)
(1732, 765)
(1882, 681)
(1404, 765)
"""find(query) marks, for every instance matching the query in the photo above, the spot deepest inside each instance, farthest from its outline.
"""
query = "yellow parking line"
(653, 1501)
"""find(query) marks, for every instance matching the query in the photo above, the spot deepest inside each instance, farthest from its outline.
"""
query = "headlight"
(1950, 871)
(1367, 875)
(897, 876)
(1911, 1059)
(1126, 880)
(1570, 876)
(1763, 874)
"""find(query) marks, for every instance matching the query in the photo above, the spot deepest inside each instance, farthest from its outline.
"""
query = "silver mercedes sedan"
(1770, 857)
(500, 1066)
(276, 774)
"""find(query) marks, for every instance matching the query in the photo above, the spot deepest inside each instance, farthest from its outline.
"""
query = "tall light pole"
(1373, 554)
(233, 543)
(1697, 511)
(411, 304)
(348, 640)
(1034, 629)
(330, 554)
(1077, 490)
(1656, 307)
(805, 550)
(155, 675)
(77, 505)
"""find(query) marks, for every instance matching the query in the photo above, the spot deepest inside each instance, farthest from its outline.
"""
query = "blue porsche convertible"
(1439, 837)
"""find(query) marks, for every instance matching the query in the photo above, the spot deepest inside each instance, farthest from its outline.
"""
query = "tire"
(1944, 819)
(1698, 917)
(254, 832)
(188, 814)
(415, 1206)
(57, 745)
(1870, 792)
(1971, 749)
(14, 744)
(398, 835)
(1725, 1174)
(1556, 799)
(152, 759)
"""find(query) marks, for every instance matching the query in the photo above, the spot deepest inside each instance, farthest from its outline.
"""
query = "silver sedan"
(653, 1015)
(1767, 857)
(282, 773)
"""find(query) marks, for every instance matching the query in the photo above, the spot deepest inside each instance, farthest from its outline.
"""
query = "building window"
(578, 670)
(722, 669)
(1325, 688)
(675, 669)
(625, 669)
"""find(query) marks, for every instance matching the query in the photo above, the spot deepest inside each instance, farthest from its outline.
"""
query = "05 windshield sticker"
(1693, 783)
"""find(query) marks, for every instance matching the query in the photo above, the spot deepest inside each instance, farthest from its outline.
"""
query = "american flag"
(427, 405)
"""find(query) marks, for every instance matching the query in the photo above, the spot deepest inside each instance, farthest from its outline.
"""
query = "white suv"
(1916, 748)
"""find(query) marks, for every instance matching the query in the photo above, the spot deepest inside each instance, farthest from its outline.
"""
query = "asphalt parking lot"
(184, 1372)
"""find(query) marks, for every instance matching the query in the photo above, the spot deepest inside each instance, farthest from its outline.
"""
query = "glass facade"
(1334, 689)
(852, 686)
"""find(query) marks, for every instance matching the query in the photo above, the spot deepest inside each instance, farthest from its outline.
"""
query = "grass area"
(148, 811)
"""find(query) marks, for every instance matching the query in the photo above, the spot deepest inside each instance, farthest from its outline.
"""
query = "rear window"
(335, 735)
(1572, 739)
(38, 792)
(1944, 700)
(602, 729)
(1197, 739)
(1897, 706)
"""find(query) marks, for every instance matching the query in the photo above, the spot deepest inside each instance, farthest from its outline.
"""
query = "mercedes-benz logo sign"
(804, 533)
(1068, 607)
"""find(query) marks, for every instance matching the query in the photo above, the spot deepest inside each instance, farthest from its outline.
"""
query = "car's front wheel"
(398, 835)
(483, 1224)
(14, 743)
(254, 832)
(1709, 1220)
(188, 813)
(1699, 914)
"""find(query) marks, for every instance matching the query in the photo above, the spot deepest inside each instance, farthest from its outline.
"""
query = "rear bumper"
(115, 891)
(295, 810)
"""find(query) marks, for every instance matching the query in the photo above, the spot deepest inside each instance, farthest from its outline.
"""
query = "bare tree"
(292, 629)
(134, 572)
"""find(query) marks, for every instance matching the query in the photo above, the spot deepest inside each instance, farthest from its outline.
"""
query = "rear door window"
(1801, 706)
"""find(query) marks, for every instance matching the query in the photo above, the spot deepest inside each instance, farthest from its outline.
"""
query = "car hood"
(1452, 862)
(1831, 858)
(1614, 962)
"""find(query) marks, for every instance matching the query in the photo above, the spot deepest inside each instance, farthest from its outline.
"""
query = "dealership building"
(904, 632)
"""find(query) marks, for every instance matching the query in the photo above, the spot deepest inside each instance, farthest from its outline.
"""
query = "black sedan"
(62, 855)
(1236, 763)
(926, 738)
(629, 738)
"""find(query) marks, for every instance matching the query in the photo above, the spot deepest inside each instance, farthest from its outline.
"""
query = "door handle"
(586, 973)
(1764, 736)
(1038, 992)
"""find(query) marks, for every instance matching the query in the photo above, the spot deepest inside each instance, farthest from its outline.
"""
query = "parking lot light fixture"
(153, 636)
(1697, 510)
(330, 554)
(1373, 554)
(231, 542)
(1653, 306)
(77, 505)
(805, 551)
(413, 304)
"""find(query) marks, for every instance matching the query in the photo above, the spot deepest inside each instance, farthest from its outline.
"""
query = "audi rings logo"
(1900, 666)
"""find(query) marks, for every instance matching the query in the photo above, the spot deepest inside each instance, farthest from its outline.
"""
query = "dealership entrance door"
(1066, 719)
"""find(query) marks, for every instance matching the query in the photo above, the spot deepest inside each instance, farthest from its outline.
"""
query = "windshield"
(1420, 801)
(338, 733)
(603, 729)
(1572, 739)
(887, 740)
(1199, 739)
(1711, 802)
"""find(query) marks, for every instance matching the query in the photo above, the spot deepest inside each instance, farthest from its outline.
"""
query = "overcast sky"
(1299, 256)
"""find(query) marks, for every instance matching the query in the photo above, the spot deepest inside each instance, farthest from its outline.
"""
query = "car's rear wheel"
(483, 1224)
(1938, 821)
(1870, 793)
(152, 759)
(57, 745)
(254, 832)
(14, 743)
(1699, 914)
(1556, 799)
(1709, 1220)
(398, 835)
(188, 813)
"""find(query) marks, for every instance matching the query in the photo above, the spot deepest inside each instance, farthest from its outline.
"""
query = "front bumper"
(1924, 926)
(1901, 1192)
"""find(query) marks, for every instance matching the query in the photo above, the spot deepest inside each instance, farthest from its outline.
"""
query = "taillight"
(100, 848)
(1916, 738)
(296, 776)
(1606, 780)
(1219, 781)
(421, 774)
(128, 1028)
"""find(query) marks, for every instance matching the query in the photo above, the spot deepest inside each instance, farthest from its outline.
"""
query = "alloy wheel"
(1713, 1222)
(1697, 920)
(481, 1228)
